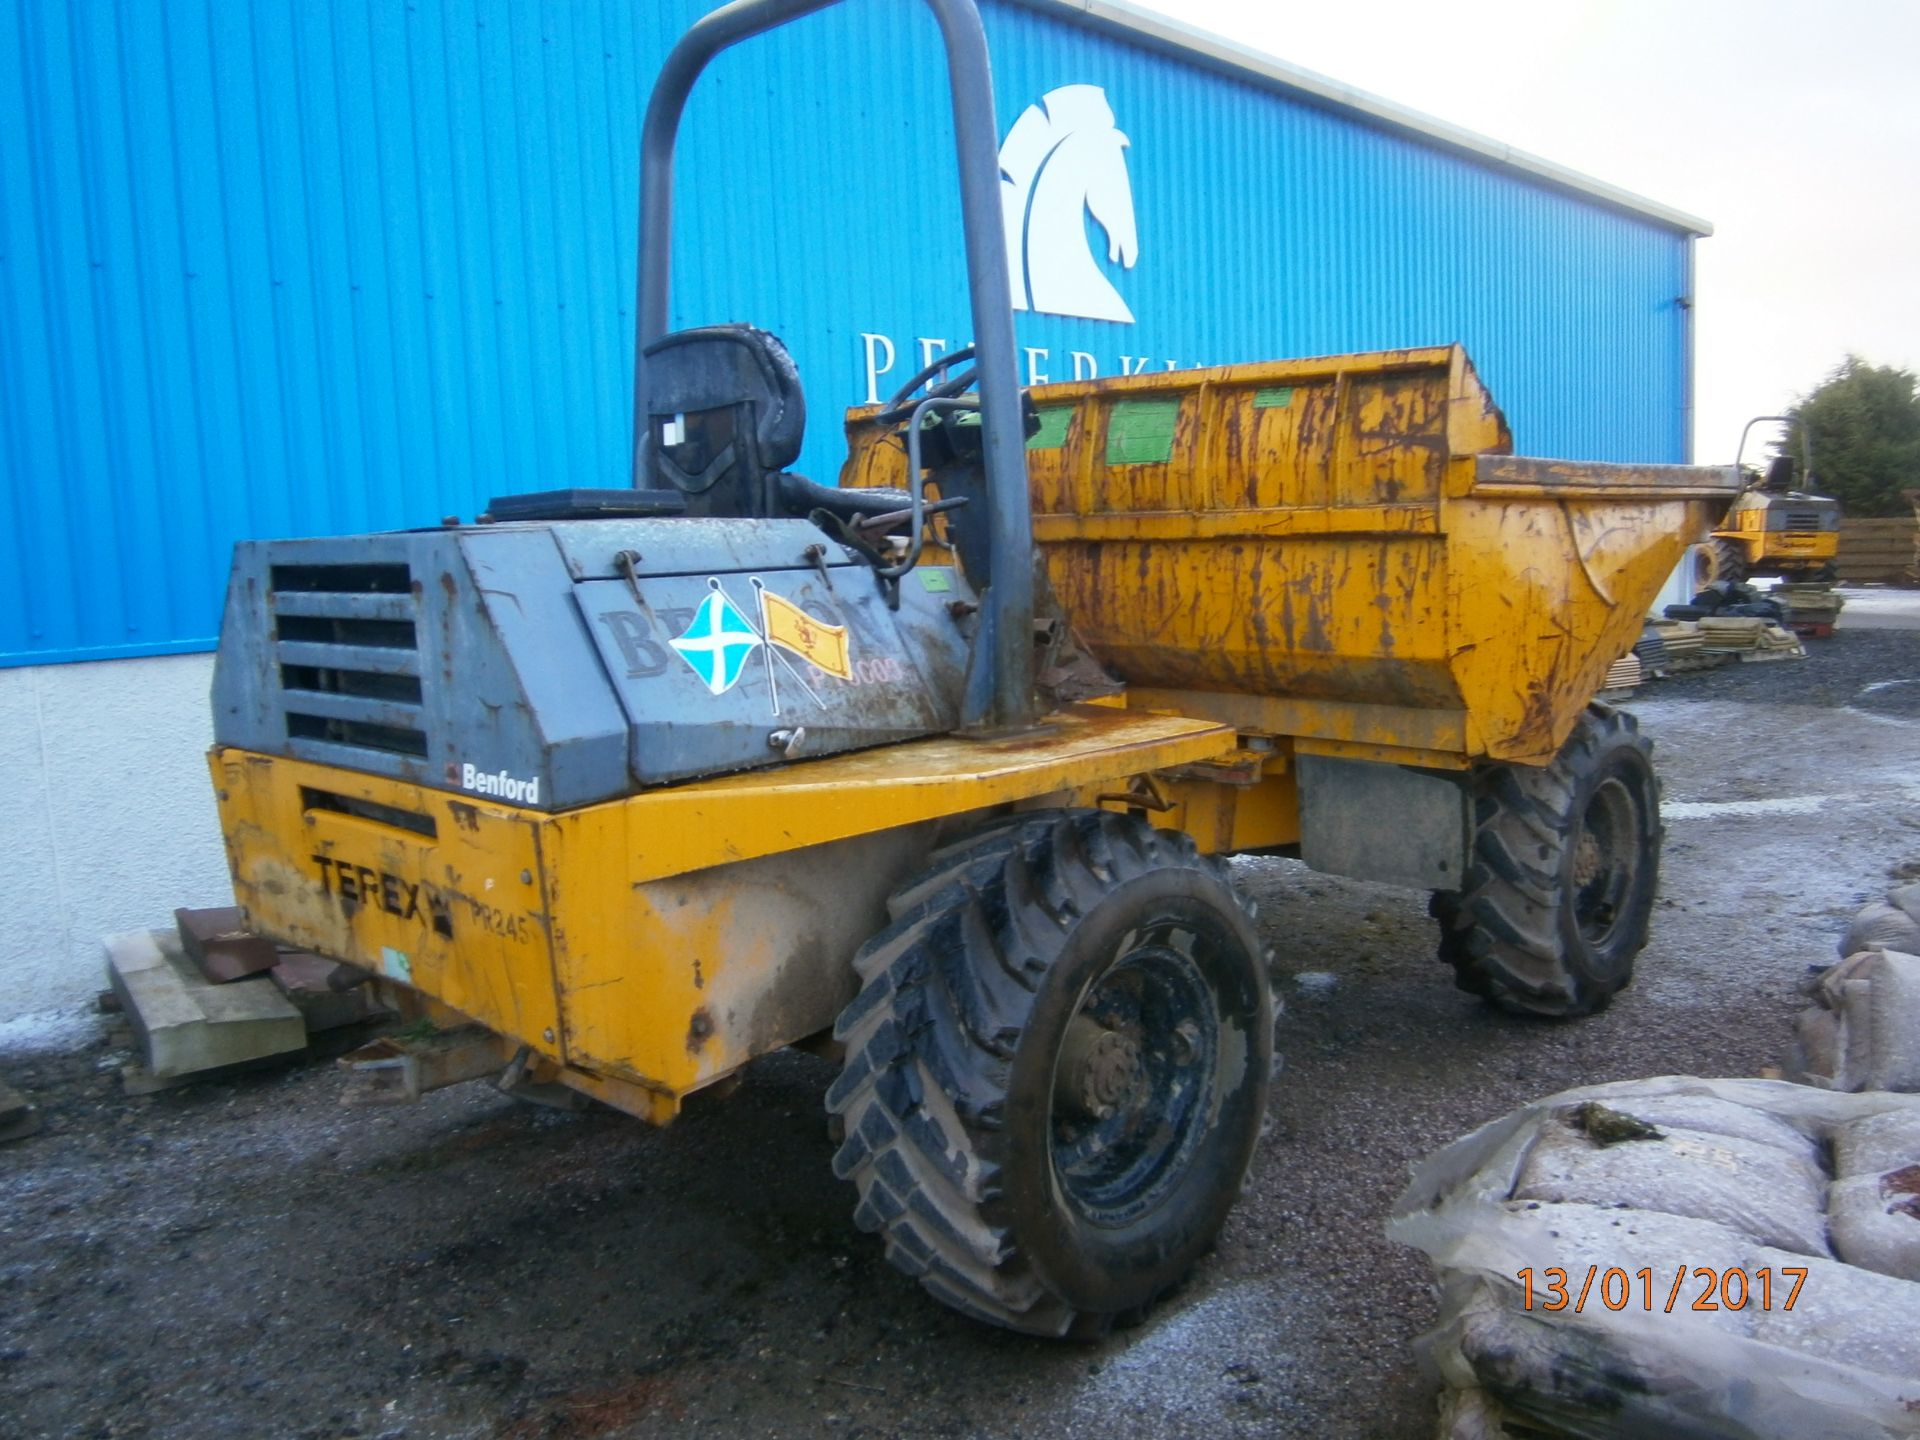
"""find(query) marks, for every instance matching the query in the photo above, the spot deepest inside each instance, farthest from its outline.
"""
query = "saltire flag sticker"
(718, 642)
(791, 628)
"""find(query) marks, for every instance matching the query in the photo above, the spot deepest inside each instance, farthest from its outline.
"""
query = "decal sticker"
(792, 628)
(395, 965)
(502, 783)
(719, 642)
(356, 887)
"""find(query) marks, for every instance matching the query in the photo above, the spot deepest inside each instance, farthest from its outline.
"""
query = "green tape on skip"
(936, 581)
(1052, 433)
(1140, 432)
(1276, 397)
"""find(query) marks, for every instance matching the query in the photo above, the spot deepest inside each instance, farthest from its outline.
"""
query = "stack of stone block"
(208, 995)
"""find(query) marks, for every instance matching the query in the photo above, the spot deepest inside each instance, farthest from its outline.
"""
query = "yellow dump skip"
(1342, 550)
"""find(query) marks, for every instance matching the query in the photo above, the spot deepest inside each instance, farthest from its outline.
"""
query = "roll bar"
(1806, 445)
(999, 686)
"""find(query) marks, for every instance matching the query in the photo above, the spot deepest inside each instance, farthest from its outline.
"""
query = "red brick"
(221, 945)
(309, 982)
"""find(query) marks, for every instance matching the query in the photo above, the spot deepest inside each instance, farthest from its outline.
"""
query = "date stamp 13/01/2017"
(1698, 1287)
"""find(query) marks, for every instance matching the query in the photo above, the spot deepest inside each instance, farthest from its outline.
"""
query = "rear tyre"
(1559, 887)
(1057, 1070)
(1717, 559)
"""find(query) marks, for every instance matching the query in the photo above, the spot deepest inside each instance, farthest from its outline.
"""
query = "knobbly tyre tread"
(1506, 931)
(1719, 559)
(947, 989)
(992, 842)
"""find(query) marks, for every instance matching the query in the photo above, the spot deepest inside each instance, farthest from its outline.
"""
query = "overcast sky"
(1793, 127)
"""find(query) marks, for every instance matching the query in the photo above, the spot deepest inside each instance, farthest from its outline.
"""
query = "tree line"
(1864, 422)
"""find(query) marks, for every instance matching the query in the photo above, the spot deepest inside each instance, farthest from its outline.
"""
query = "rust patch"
(1035, 740)
(699, 1030)
(591, 1413)
(466, 816)
(1314, 636)
(1906, 1183)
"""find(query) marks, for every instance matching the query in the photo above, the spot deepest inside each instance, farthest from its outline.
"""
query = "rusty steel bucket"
(1344, 549)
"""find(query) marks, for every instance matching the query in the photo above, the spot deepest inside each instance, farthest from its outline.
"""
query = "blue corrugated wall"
(273, 267)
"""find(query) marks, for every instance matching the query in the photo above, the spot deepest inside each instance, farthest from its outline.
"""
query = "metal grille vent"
(1803, 519)
(346, 641)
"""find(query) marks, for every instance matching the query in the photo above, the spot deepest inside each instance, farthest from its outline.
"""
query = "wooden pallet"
(1881, 550)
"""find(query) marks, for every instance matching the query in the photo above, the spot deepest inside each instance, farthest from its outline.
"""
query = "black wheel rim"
(1134, 1079)
(1606, 860)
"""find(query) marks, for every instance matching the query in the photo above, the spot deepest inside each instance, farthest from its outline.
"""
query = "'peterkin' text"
(881, 357)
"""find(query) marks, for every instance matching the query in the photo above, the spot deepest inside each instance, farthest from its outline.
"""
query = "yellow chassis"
(647, 947)
(1793, 547)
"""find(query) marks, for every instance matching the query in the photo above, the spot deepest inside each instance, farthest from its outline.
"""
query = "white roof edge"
(1231, 55)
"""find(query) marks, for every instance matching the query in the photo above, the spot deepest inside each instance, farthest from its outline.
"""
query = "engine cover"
(557, 664)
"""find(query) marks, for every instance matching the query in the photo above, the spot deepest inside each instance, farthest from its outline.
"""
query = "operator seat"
(725, 417)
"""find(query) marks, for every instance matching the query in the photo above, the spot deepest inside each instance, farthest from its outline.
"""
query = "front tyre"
(1057, 1070)
(1560, 884)
(1718, 558)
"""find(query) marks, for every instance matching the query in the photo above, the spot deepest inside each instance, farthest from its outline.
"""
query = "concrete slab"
(137, 1080)
(185, 1022)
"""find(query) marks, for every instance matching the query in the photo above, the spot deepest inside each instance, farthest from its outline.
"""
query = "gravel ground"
(246, 1259)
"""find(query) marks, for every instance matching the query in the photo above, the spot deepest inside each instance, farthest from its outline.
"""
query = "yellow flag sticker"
(791, 628)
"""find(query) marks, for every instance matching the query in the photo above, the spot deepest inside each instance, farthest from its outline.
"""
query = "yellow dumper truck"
(1774, 528)
(935, 770)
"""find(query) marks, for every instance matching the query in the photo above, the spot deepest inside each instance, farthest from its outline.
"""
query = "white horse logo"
(1063, 160)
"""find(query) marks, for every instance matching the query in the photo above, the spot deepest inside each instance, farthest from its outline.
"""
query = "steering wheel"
(901, 406)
